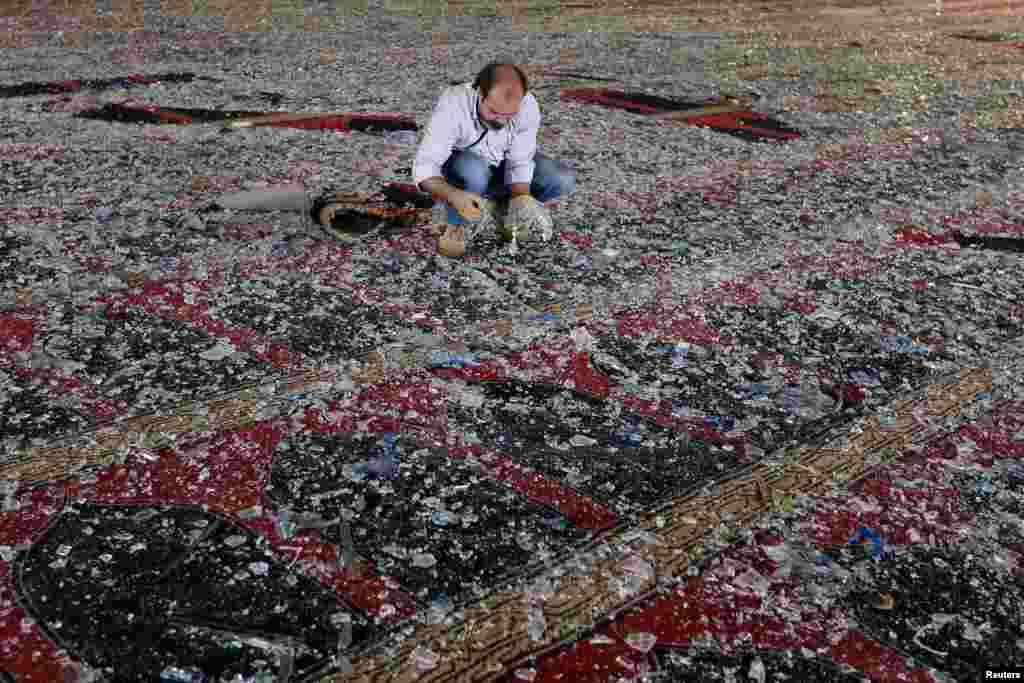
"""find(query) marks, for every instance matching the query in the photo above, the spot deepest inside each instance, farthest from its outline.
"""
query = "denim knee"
(469, 172)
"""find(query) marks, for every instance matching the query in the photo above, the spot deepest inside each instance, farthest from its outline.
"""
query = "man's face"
(499, 107)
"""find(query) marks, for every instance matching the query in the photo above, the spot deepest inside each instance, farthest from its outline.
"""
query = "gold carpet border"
(493, 635)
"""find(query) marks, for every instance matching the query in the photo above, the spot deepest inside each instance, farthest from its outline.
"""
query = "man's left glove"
(526, 216)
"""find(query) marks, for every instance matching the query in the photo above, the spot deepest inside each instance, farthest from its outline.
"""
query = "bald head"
(506, 82)
(504, 98)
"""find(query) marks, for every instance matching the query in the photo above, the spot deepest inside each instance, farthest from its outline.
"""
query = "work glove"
(468, 204)
(526, 216)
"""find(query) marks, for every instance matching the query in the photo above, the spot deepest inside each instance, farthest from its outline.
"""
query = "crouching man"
(479, 157)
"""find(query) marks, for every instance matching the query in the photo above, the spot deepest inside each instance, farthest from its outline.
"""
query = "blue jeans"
(471, 172)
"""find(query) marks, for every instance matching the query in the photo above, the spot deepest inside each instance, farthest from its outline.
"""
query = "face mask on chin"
(493, 125)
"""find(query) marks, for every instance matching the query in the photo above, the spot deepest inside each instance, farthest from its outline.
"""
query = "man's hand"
(525, 210)
(468, 204)
(523, 201)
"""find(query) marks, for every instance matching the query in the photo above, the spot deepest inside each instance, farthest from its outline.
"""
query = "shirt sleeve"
(519, 166)
(438, 141)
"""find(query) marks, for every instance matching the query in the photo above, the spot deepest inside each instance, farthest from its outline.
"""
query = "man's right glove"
(525, 217)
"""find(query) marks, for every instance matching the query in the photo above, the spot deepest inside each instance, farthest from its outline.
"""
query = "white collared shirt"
(455, 125)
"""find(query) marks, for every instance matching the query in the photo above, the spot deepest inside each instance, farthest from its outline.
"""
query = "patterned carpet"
(238, 449)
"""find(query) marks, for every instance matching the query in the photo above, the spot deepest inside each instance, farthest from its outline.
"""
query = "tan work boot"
(452, 241)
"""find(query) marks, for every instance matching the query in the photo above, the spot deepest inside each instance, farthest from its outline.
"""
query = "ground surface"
(752, 414)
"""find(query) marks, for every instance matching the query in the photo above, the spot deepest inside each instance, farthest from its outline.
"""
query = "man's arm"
(519, 167)
(438, 188)
(435, 148)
